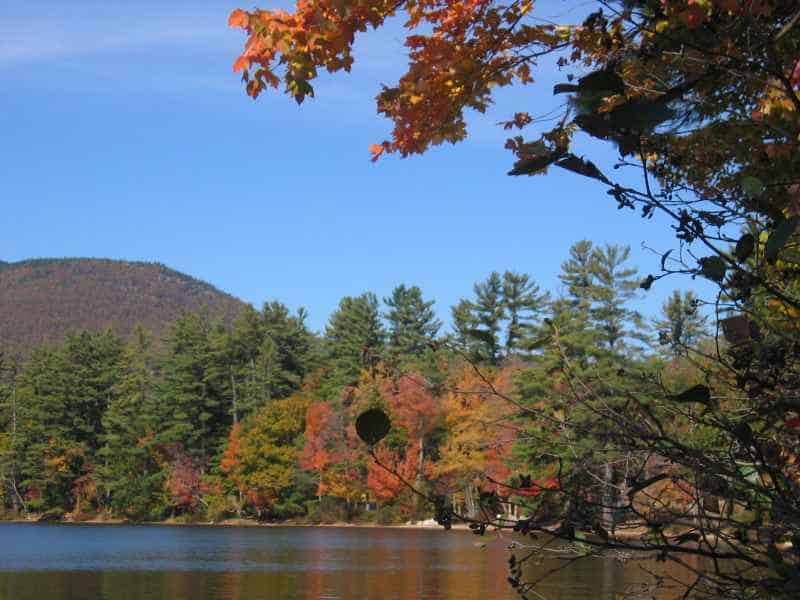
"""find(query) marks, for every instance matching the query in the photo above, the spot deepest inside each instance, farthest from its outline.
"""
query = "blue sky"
(126, 135)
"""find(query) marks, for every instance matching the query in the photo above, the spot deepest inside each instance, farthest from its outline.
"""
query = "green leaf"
(713, 267)
(372, 426)
(752, 186)
(537, 343)
(699, 393)
(481, 334)
(779, 237)
(745, 247)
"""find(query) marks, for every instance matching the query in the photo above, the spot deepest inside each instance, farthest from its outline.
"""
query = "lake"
(151, 562)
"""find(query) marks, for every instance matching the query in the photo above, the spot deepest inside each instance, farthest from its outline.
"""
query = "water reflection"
(83, 562)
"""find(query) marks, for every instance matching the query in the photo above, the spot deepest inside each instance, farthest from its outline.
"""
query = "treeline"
(256, 418)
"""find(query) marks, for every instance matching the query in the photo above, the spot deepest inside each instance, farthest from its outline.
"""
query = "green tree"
(261, 458)
(287, 352)
(9, 374)
(577, 273)
(681, 326)
(490, 312)
(63, 394)
(354, 338)
(194, 415)
(129, 474)
(613, 287)
(464, 325)
(412, 322)
(524, 303)
(501, 320)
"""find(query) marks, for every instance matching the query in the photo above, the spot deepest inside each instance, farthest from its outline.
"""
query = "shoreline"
(238, 523)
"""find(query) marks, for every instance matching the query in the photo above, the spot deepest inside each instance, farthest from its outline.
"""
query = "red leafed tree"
(231, 458)
(383, 483)
(185, 483)
(412, 405)
(316, 454)
(415, 409)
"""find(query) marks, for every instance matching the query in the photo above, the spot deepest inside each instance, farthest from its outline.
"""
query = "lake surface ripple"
(151, 562)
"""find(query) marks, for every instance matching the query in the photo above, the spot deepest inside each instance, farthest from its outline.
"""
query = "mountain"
(43, 300)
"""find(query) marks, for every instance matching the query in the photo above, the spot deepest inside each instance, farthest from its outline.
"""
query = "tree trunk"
(418, 482)
(608, 496)
(17, 499)
(469, 500)
(233, 390)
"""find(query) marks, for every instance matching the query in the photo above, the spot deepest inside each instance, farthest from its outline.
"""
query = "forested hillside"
(43, 300)
(256, 417)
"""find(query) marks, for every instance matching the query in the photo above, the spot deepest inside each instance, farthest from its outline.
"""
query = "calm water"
(103, 562)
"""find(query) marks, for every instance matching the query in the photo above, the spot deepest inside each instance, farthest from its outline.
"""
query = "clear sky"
(126, 135)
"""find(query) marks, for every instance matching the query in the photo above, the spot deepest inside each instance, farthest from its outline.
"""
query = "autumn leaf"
(376, 150)
(241, 64)
(239, 18)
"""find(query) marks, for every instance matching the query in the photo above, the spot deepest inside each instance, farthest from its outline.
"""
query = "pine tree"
(464, 325)
(129, 474)
(502, 319)
(9, 375)
(63, 394)
(615, 285)
(412, 322)
(577, 272)
(286, 354)
(195, 418)
(681, 325)
(354, 337)
(589, 327)
(524, 303)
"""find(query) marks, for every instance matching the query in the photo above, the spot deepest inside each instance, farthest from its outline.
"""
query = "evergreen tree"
(598, 282)
(464, 325)
(681, 325)
(63, 394)
(91, 370)
(615, 285)
(285, 355)
(524, 303)
(221, 367)
(588, 328)
(577, 273)
(502, 319)
(9, 492)
(489, 313)
(195, 418)
(412, 322)
(41, 407)
(129, 474)
(354, 337)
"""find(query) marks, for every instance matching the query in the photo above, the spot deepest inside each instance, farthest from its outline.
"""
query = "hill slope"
(42, 300)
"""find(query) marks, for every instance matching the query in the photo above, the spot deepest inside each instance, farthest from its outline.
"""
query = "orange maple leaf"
(239, 18)
(376, 150)
(241, 63)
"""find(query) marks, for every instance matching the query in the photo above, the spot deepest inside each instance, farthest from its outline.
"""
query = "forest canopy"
(698, 102)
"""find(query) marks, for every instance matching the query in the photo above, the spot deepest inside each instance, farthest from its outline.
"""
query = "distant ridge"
(42, 300)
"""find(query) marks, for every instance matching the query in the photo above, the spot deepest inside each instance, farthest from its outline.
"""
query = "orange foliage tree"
(185, 482)
(474, 456)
